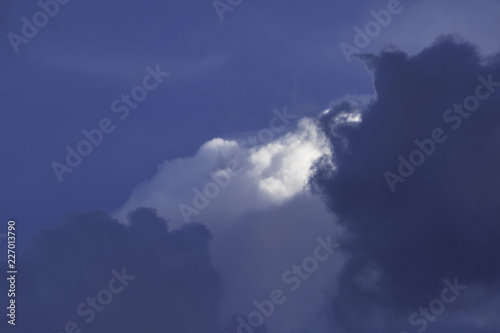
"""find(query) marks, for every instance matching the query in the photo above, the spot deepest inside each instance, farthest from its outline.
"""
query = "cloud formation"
(443, 221)
(263, 217)
(256, 177)
(157, 279)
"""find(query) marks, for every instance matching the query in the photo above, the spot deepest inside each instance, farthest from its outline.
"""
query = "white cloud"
(270, 174)
(263, 221)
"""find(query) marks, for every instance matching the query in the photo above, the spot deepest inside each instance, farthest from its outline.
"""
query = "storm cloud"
(158, 279)
(442, 219)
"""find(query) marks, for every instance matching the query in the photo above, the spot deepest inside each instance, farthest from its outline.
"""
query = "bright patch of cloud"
(268, 174)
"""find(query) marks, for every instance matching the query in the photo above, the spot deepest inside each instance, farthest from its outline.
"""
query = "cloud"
(169, 281)
(265, 174)
(442, 221)
(397, 247)
(407, 31)
(263, 220)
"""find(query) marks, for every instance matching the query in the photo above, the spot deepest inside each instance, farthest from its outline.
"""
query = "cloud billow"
(443, 221)
(161, 280)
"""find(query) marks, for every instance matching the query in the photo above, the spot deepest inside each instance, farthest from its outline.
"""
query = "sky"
(236, 166)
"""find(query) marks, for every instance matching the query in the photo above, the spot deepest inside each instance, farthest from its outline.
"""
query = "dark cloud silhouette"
(443, 221)
(160, 280)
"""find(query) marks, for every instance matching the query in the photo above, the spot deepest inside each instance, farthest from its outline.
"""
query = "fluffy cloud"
(442, 221)
(264, 220)
(259, 176)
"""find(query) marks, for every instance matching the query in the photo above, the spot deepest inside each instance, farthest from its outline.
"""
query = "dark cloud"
(443, 221)
(175, 288)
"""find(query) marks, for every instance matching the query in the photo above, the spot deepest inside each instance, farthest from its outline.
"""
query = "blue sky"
(225, 77)
(231, 77)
